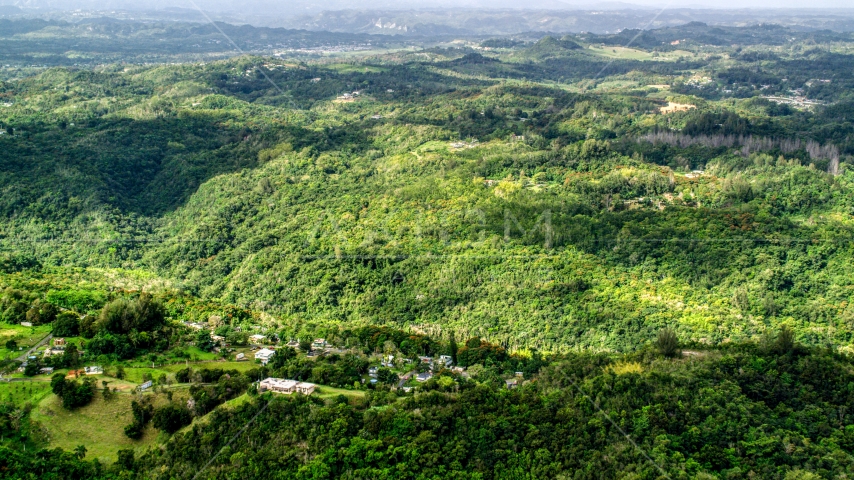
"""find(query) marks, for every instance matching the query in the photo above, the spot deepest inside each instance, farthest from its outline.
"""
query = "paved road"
(29, 352)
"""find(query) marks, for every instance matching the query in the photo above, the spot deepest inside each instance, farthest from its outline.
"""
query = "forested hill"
(534, 195)
(771, 410)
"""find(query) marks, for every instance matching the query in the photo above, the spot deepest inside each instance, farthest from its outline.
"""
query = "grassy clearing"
(625, 53)
(135, 374)
(99, 426)
(239, 366)
(20, 393)
(25, 336)
(621, 53)
(354, 68)
(325, 392)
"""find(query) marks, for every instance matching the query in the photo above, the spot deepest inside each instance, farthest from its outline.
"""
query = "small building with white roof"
(264, 355)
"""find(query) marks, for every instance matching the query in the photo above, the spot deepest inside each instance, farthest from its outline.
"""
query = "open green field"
(354, 68)
(25, 336)
(99, 426)
(627, 53)
(325, 392)
(20, 393)
(135, 374)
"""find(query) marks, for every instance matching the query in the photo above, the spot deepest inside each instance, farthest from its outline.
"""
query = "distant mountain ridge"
(460, 19)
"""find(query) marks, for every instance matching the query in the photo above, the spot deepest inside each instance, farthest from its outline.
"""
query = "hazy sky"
(293, 6)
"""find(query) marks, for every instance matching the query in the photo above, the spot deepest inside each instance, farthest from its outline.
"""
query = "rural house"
(287, 387)
(264, 355)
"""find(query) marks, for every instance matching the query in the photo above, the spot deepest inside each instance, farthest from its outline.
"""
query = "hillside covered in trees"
(649, 233)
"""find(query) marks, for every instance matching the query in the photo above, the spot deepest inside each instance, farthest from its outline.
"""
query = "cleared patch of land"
(675, 107)
(99, 426)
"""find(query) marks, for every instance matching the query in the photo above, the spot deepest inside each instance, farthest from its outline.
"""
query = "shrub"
(172, 417)
(667, 343)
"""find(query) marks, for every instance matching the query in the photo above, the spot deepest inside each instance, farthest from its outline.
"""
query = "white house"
(287, 387)
(94, 370)
(306, 388)
(257, 338)
(278, 385)
(264, 355)
(240, 357)
(423, 377)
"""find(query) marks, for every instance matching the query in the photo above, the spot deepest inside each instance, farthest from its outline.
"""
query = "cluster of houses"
(349, 96)
(264, 355)
(287, 387)
(445, 361)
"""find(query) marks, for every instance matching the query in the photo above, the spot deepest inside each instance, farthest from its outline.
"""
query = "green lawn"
(351, 68)
(19, 393)
(135, 374)
(25, 336)
(324, 392)
(99, 426)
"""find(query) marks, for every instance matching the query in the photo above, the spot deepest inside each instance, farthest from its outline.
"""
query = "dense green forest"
(575, 211)
(447, 195)
(771, 409)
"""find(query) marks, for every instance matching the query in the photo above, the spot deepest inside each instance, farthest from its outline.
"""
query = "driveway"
(23, 357)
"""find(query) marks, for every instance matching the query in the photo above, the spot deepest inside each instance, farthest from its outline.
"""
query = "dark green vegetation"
(537, 202)
(768, 410)
(73, 393)
(571, 223)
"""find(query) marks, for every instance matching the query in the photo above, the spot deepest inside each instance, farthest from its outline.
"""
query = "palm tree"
(667, 343)
(80, 451)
